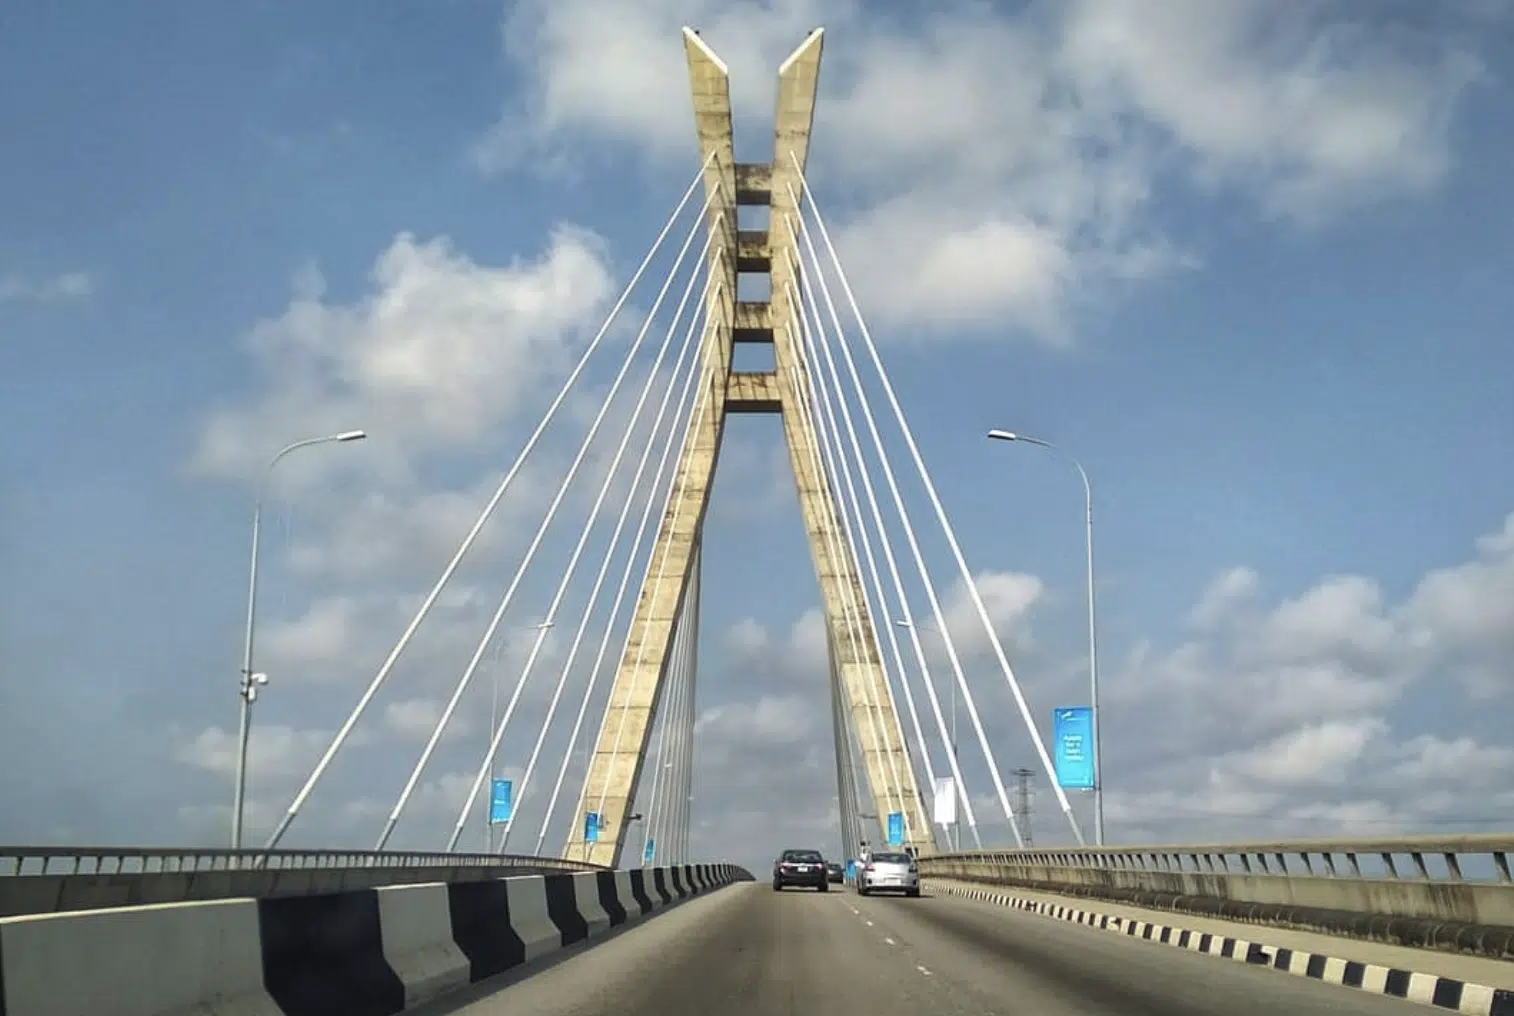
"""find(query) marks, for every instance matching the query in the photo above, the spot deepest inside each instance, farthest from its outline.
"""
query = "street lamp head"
(1003, 435)
(902, 623)
(260, 679)
(352, 435)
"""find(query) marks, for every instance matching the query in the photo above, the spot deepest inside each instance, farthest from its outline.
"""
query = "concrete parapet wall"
(48, 894)
(374, 951)
(1463, 917)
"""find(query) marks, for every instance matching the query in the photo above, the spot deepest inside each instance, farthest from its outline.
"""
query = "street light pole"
(251, 680)
(1093, 640)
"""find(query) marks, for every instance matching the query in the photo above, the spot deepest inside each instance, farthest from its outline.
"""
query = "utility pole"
(1022, 803)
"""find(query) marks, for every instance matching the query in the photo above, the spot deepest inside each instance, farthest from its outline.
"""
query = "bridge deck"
(747, 950)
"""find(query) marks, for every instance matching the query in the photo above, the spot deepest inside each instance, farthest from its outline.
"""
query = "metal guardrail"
(1435, 858)
(1443, 892)
(61, 861)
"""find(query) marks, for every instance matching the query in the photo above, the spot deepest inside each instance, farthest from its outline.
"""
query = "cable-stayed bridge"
(611, 758)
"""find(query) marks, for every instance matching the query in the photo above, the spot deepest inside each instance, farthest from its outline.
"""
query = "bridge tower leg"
(615, 767)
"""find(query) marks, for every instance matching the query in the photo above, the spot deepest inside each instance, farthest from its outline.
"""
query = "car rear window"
(891, 858)
(807, 856)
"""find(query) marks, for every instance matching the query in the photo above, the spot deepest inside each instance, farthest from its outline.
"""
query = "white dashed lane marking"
(922, 970)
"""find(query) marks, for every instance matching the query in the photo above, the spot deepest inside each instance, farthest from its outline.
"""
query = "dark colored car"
(800, 867)
(835, 873)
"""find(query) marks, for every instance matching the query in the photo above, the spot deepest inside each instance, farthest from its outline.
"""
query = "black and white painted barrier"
(370, 952)
(1426, 989)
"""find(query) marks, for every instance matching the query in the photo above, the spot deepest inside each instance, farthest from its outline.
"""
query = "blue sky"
(1267, 314)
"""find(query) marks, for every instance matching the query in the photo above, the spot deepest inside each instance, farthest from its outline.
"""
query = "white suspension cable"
(828, 453)
(668, 709)
(827, 413)
(687, 365)
(811, 330)
(441, 583)
(687, 712)
(641, 647)
(536, 541)
(850, 621)
(951, 536)
(919, 558)
(696, 414)
(653, 376)
(678, 774)
(845, 807)
(650, 828)
(855, 750)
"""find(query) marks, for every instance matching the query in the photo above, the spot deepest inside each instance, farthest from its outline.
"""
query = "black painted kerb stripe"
(324, 956)
(639, 891)
(677, 883)
(2, 972)
(562, 907)
(481, 927)
(609, 897)
(660, 883)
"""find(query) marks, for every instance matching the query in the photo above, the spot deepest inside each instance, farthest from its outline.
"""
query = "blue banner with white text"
(500, 801)
(1072, 735)
(649, 851)
(591, 827)
(895, 828)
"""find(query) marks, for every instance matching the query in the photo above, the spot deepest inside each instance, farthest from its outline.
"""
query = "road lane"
(748, 951)
(991, 952)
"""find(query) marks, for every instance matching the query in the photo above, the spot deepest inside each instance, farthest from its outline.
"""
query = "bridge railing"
(35, 880)
(1450, 891)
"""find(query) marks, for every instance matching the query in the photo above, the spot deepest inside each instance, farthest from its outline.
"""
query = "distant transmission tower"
(1022, 803)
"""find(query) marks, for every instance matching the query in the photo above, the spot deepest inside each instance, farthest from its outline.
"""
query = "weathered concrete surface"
(1476, 917)
(854, 643)
(615, 767)
(47, 894)
(1471, 966)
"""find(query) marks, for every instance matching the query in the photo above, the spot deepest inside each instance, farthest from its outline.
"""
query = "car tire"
(824, 887)
(861, 889)
(913, 894)
(777, 887)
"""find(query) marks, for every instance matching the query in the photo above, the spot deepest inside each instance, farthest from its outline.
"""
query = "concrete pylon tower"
(615, 768)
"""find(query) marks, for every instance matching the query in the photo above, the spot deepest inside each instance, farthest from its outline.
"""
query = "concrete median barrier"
(371, 952)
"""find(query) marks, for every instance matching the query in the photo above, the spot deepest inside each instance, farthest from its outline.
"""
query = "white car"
(889, 873)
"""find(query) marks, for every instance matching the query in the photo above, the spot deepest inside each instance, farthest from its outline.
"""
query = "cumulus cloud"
(1006, 167)
(1009, 166)
(1287, 719)
(439, 355)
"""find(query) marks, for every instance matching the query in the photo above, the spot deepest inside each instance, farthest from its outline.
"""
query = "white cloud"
(275, 752)
(1001, 168)
(1285, 719)
(439, 355)
(16, 288)
(1462, 761)
(1225, 594)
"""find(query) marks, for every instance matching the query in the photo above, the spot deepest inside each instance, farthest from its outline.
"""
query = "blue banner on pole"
(895, 828)
(1073, 747)
(591, 827)
(649, 851)
(500, 801)
(851, 870)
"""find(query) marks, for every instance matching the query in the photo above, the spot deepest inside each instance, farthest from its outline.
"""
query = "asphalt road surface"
(748, 951)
